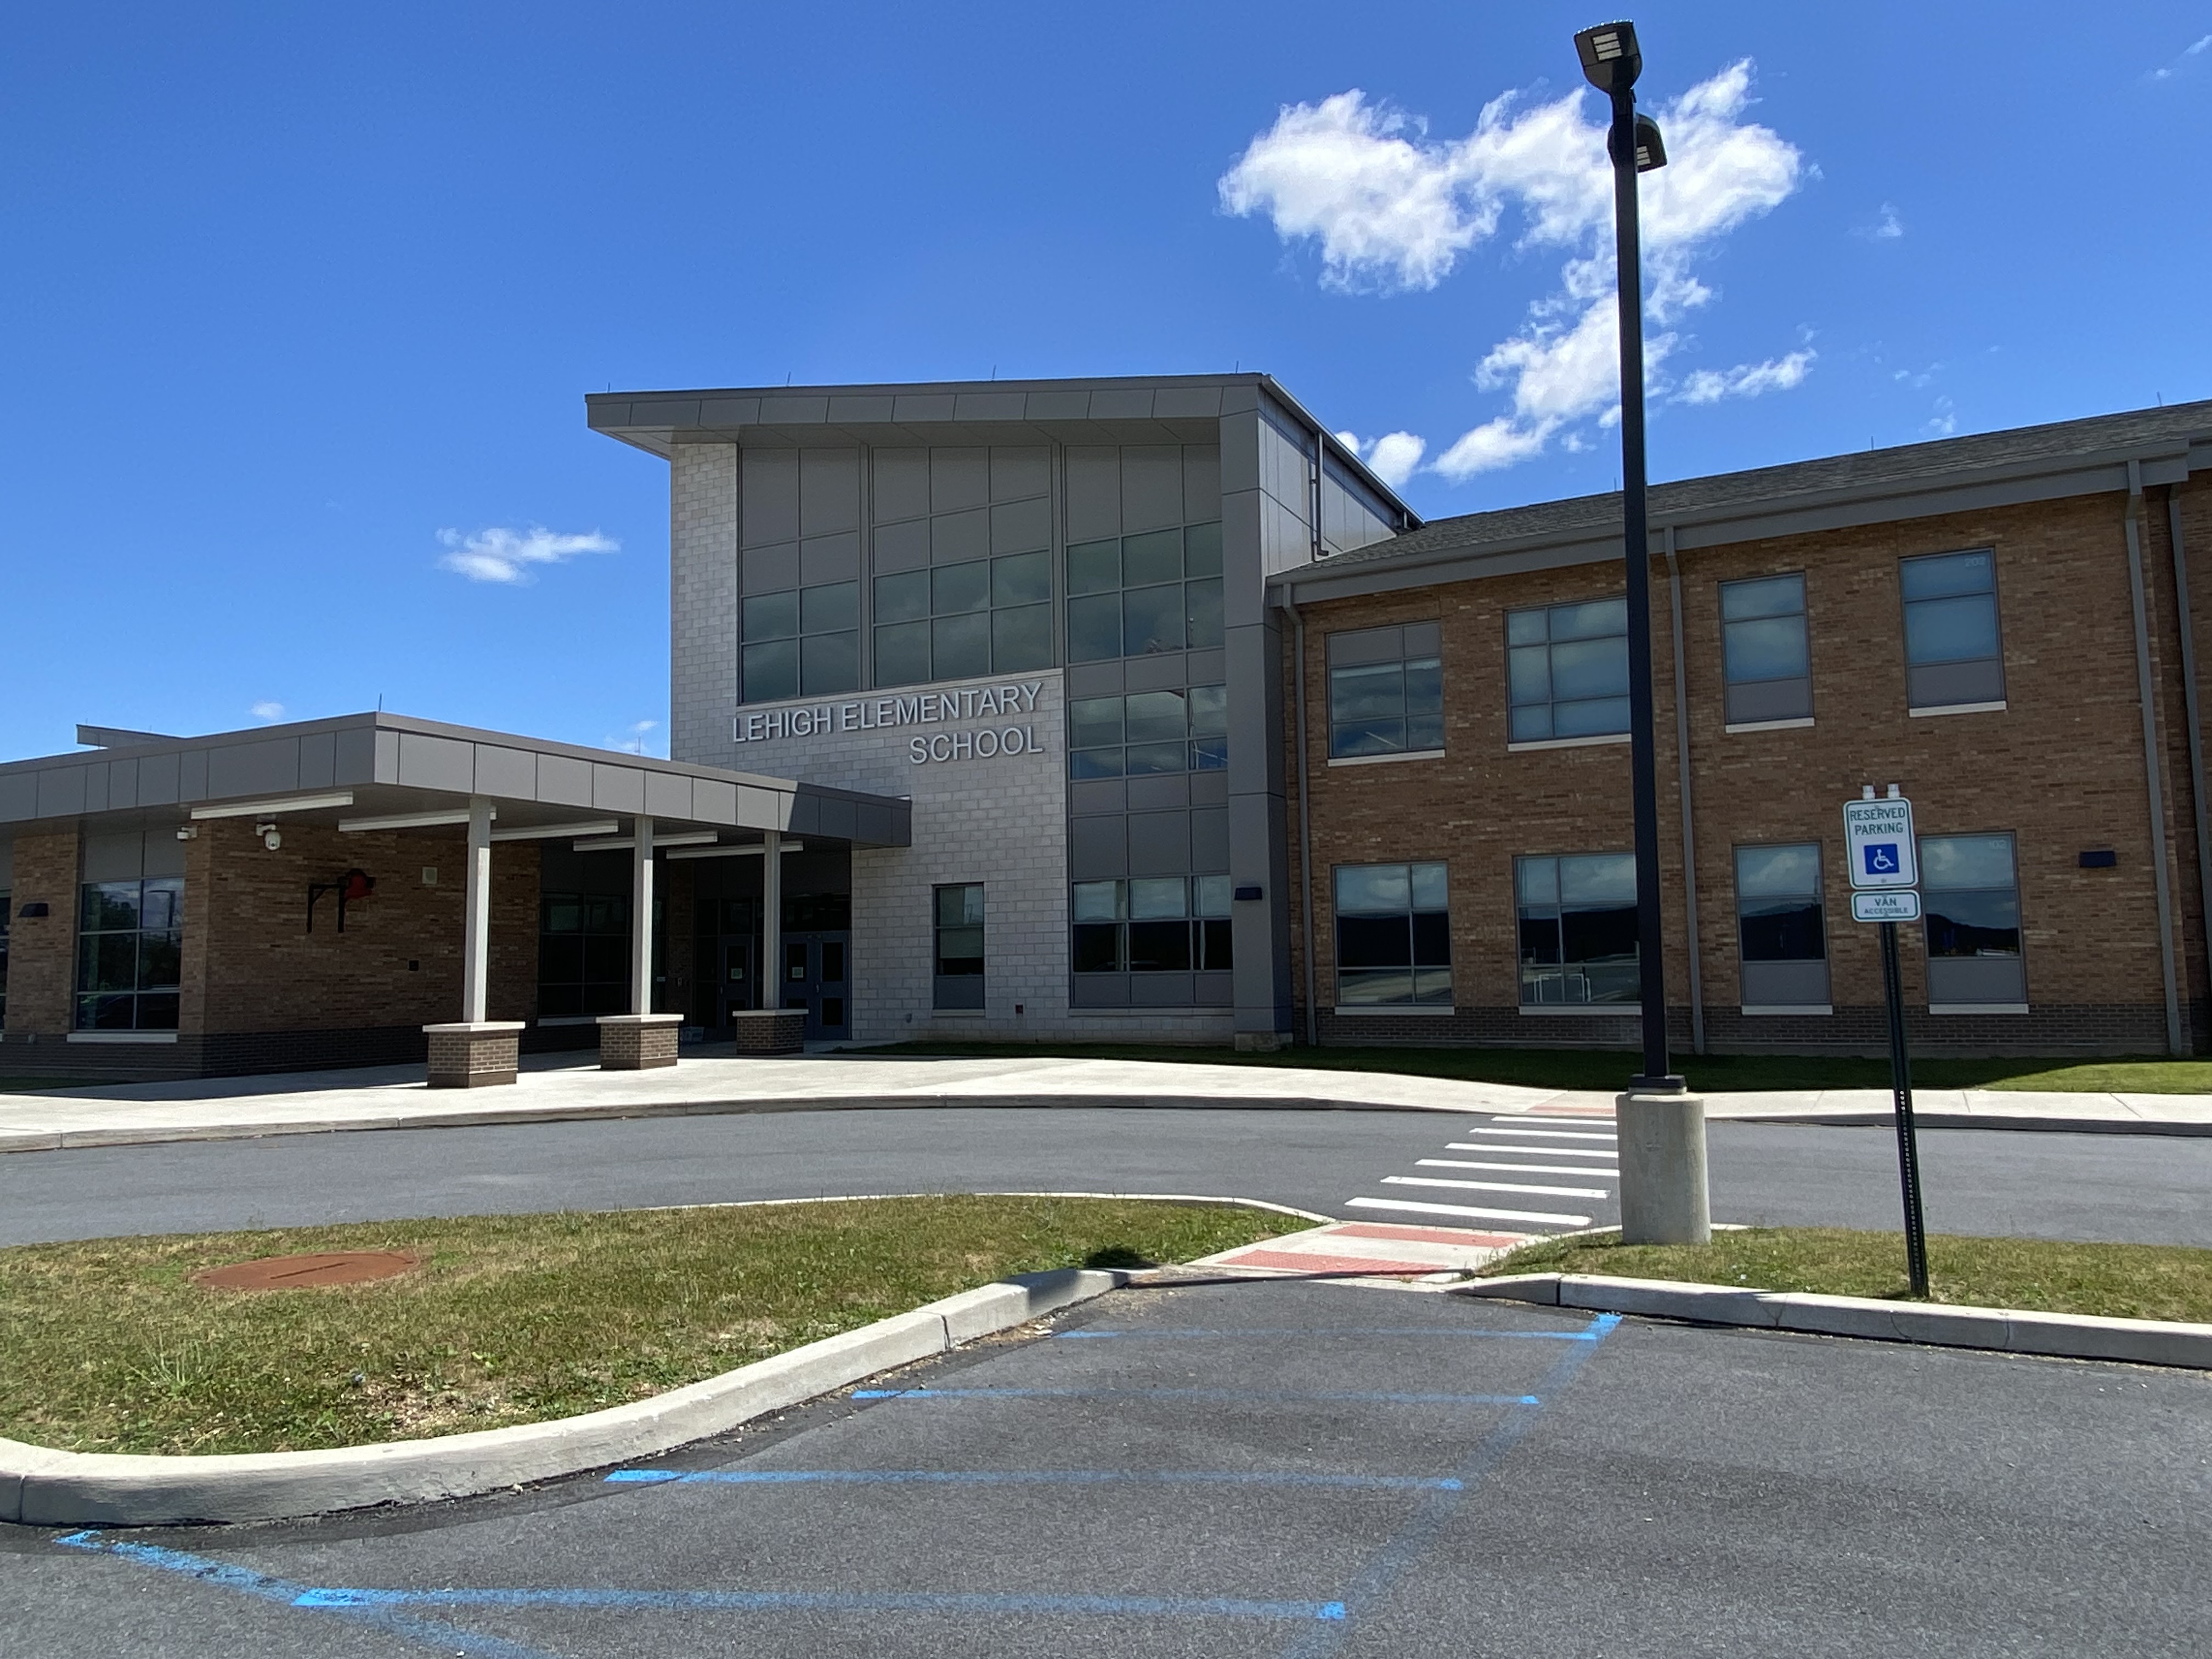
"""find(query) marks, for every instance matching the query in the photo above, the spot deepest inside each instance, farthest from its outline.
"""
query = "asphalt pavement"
(1270, 1468)
(2032, 1184)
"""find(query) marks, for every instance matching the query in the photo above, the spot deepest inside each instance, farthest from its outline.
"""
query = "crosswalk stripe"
(1521, 1168)
(1495, 1187)
(1528, 1152)
(1545, 1134)
(1413, 1208)
(1538, 1117)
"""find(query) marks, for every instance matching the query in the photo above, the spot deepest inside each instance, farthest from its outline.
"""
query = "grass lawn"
(107, 1345)
(1607, 1069)
(2119, 1281)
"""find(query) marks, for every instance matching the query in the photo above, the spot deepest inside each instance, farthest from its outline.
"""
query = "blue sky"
(292, 290)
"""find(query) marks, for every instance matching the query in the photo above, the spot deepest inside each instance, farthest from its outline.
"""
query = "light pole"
(1662, 1136)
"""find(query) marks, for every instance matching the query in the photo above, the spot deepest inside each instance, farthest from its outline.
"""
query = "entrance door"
(814, 978)
(733, 988)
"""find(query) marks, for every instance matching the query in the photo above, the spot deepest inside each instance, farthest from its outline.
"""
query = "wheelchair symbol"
(1882, 859)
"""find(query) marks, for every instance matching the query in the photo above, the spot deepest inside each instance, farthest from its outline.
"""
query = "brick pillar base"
(634, 1043)
(769, 1030)
(474, 1054)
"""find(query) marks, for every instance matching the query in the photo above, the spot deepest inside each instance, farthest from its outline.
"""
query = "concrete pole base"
(1664, 1198)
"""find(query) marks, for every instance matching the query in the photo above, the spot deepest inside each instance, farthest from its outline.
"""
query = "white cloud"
(1392, 208)
(265, 710)
(2196, 48)
(634, 740)
(1710, 386)
(1886, 227)
(508, 555)
(1393, 457)
(1945, 420)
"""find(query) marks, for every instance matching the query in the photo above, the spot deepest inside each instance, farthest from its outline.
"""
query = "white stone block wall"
(702, 645)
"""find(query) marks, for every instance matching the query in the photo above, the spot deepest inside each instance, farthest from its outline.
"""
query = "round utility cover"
(285, 1273)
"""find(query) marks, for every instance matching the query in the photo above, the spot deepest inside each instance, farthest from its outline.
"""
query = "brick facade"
(260, 991)
(2062, 766)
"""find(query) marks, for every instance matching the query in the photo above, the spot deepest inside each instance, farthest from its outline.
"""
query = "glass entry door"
(814, 978)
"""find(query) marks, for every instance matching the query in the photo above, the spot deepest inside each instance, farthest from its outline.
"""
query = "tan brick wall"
(42, 950)
(2062, 766)
(252, 965)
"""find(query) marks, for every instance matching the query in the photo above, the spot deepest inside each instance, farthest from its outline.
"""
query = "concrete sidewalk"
(566, 1087)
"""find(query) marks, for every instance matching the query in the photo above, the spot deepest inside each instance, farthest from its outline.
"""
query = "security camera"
(270, 839)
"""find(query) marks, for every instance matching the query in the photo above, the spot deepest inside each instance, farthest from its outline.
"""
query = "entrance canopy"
(390, 772)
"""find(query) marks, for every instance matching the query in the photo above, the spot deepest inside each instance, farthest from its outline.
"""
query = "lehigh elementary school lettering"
(936, 708)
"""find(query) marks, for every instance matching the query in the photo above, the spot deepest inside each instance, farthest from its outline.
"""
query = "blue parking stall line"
(1000, 1605)
(1273, 1396)
(1399, 1556)
(390, 1619)
(1035, 1478)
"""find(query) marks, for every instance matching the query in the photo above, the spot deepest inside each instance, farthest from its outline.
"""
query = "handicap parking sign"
(1879, 843)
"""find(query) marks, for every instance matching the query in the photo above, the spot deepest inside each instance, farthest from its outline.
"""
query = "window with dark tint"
(1386, 691)
(1143, 732)
(960, 945)
(1567, 671)
(583, 954)
(1150, 925)
(129, 954)
(1952, 654)
(802, 642)
(960, 621)
(1763, 650)
(1136, 596)
(1577, 928)
(1392, 935)
(6, 914)
(1970, 900)
(1779, 925)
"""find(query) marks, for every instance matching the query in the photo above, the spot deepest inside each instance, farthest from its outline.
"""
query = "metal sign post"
(1885, 866)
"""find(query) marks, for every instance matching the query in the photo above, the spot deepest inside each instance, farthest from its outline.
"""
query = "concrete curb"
(43, 1487)
(2073, 1126)
(2000, 1330)
(158, 1134)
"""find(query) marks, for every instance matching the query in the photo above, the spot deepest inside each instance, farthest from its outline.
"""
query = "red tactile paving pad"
(285, 1272)
(1426, 1235)
(1310, 1261)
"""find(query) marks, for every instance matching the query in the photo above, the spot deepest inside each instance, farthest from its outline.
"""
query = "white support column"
(771, 931)
(476, 937)
(641, 925)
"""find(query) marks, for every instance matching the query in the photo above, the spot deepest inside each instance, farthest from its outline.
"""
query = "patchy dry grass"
(2119, 1281)
(108, 1346)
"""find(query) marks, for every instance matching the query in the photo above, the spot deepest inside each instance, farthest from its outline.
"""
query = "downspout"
(1306, 824)
(2190, 711)
(1689, 829)
(2158, 846)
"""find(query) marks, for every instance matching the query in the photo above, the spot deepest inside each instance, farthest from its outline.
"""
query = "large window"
(1953, 656)
(1970, 895)
(1578, 929)
(805, 641)
(1138, 595)
(583, 954)
(960, 621)
(130, 953)
(1392, 935)
(1567, 668)
(1151, 924)
(1148, 731)
(1779, 925)
(959, 917)
(1764, 650)
(1386, 691)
